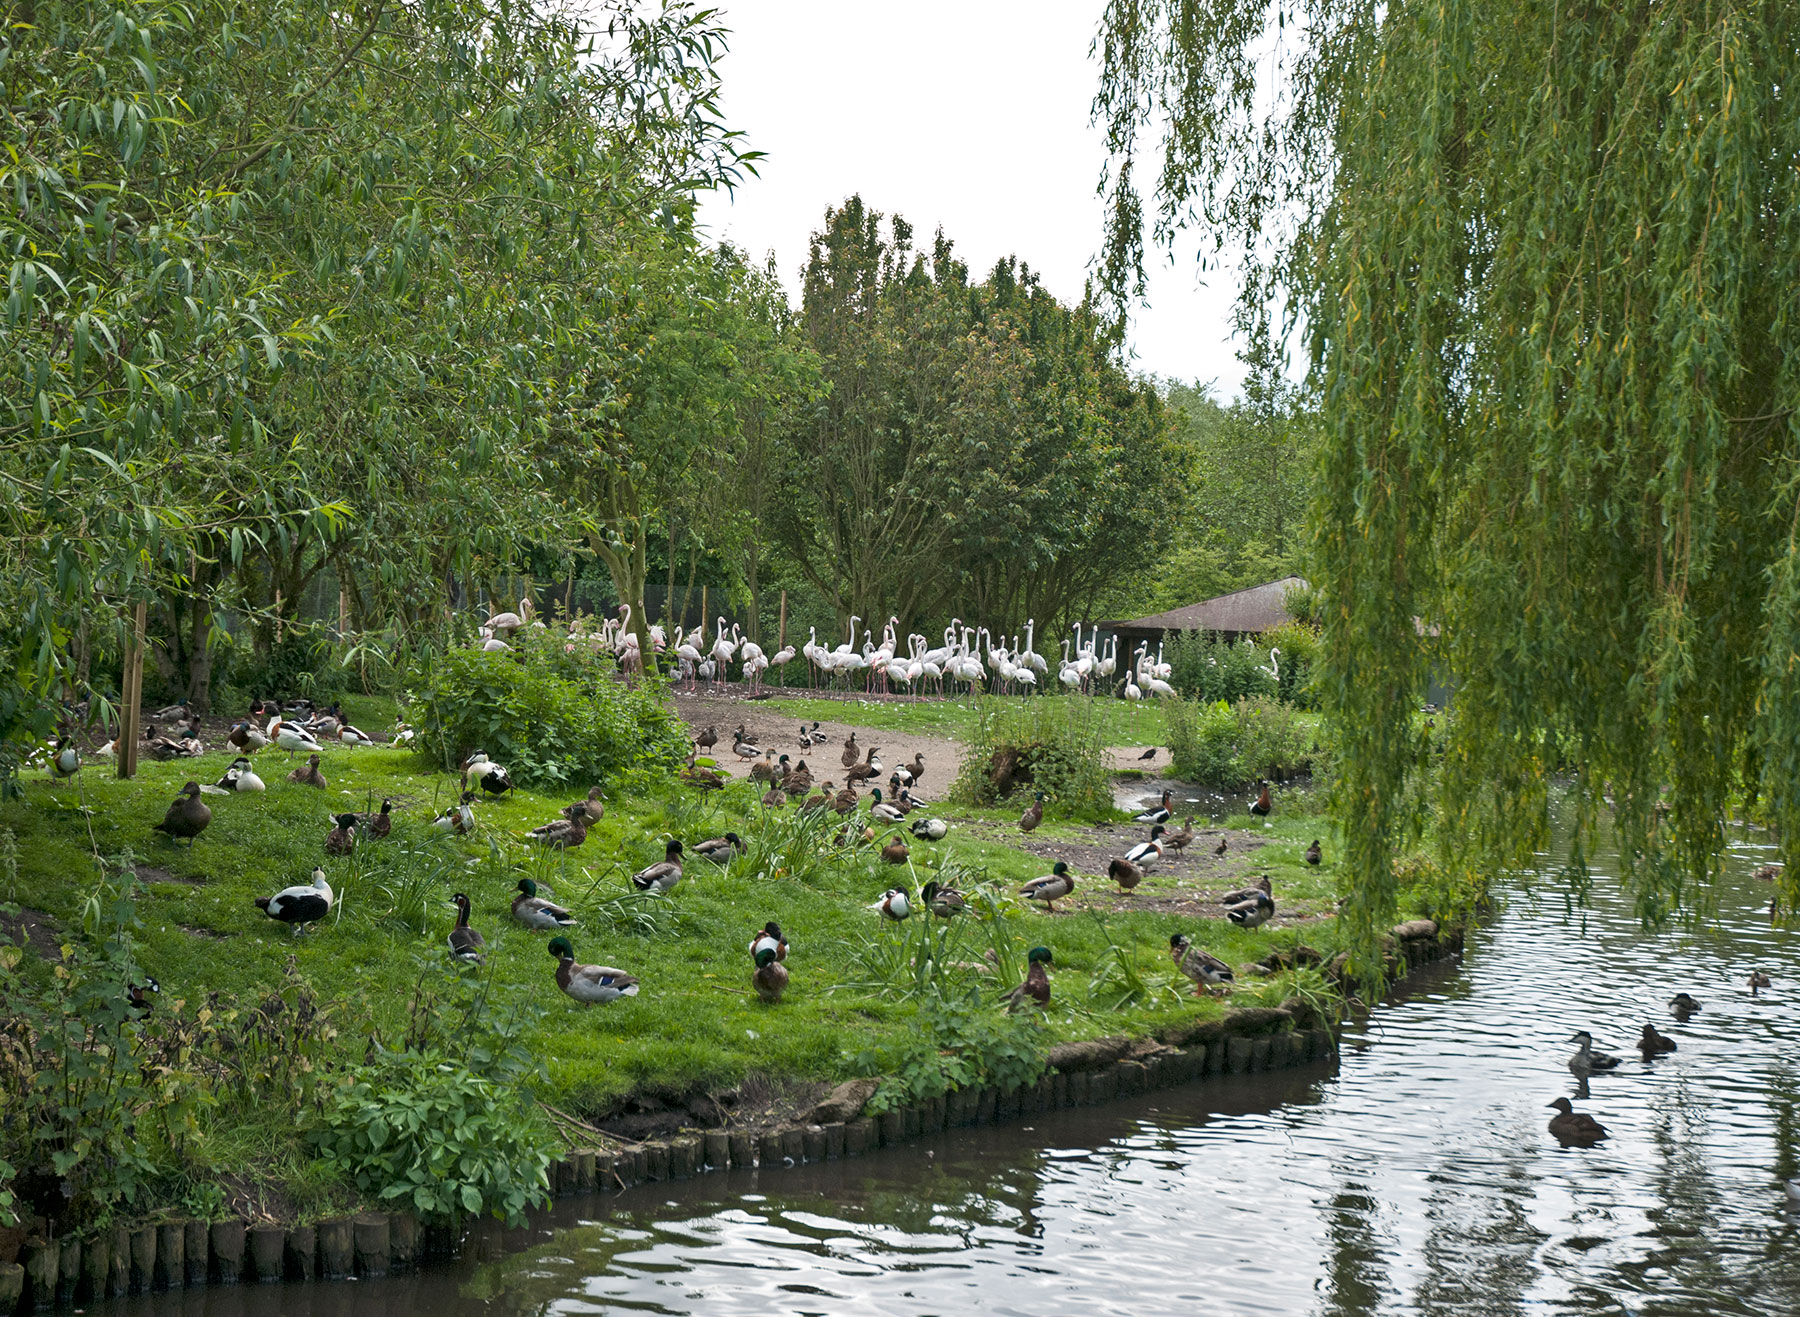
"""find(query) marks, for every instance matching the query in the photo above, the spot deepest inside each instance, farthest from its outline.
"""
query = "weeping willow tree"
(1548, 264)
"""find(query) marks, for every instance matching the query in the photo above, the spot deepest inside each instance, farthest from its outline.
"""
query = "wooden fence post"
(703, 613)
(781, 641)
(131, 697)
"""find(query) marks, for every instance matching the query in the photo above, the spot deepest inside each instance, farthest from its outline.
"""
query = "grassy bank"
(858, 983)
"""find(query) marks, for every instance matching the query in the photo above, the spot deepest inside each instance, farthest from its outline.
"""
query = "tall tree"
(1545, 256)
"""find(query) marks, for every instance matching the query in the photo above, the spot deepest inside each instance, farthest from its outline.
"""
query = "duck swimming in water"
(1574, 1128)
(1586, 1060)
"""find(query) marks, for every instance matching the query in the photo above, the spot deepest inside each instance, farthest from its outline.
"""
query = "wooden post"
(131, 697)
(781, 642)
(703, 613)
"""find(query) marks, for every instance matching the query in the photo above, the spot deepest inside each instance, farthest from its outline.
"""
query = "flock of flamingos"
(968, 656)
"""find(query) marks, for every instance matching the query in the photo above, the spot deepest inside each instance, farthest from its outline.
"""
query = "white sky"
(972, 115)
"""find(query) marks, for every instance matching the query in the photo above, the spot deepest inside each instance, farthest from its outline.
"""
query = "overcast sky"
(972, 115)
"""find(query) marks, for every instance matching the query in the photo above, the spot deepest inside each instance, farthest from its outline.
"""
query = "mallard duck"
(798, 781)
(1037, 979)
(929, 829)
(1586, 1060)
(720, 849)
(65, 761)
(771, 937)
(378, 825)
(1574, 1127)
(563, 834)
(246, 736)
(1207, 971)
(1177, 841)
(1681, 1006)
(845, 800)
(300, 905)
(881, 809)
(1253, 913)
(1051, 888)
(589, 983)
(1654, 1044)
(459, 818)
(309, 776)
(1126, 874)
(894, 851)
(893, 904)
(852, 753)
(774, 798)
(465, 943)
(742, 748)
(534, 911)
(1262, 887)
(1314, 854)
(1263, 803)
(916, 768)
(705, 778)
(1034, 815)
(592, 809)
(1758, 981)
(341, 840)
(481, 772)
(295, 739)
(763, 770)
(1766, 873)
(770, 977)
(707, 739)
(1147, 853)
(1157, 813)
(944, 902)
(187, 815)
(1223, 846)
(169, 711)
(662, 876)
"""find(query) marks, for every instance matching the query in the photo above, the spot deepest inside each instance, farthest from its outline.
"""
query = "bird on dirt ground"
(1034, 815)
(1051, 888)
(1147, 755)
(1253, 913)
(593, 984)
(299, 906)
(1586, 1060)
(743, 748)
(1574, 1128)
(1147, 853)
(1263, 804)
(852, 753)
(187, 815)
(1313, 854)
(1223, 846)
(1178, 840)
(1207, 971)
(1037, 979)
(707, 739)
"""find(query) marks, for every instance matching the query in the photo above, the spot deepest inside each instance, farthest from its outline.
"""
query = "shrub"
(552, 711)
(1202, 740)
(1053, 746)
(958, 1044)
(1228, 745)
(1209, 667)
(1299, 646)
(1271, 741)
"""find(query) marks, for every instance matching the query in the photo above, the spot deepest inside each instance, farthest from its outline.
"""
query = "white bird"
(295, 740)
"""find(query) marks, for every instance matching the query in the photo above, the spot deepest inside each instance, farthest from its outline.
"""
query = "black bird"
(1147, 755)
(187, 816)
(1313, 853)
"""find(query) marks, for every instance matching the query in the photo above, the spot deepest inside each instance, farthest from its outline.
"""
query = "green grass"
(697, 1024)
(1122, 723)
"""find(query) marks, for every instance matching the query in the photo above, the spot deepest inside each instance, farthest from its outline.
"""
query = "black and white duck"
(1586, 1060)
(1146, 853)
(465, 943)
(300, 905)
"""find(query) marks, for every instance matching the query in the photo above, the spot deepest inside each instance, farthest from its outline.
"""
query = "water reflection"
(1417, 1178)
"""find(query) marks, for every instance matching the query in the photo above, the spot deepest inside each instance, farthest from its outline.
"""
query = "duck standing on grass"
(1126, 874)
(592, 809)
(295, 740)
(1033, 816)
(309, 776)
(944, 902)
(534, 911)
(299, 906)
(341, 840)
(563, 834)
(481, 772)
(1037, 979)
(1258, 910)
(1314, 854)
(895, 851)
(1206, 971)
(459, 818)
(1574, 1128)
(466, 944)
(589, 983)
(1051, 888)
(662, 876)
(66, 760)
(1653, 1043)
(1586, 1060)
(187, 815)
(893, 904)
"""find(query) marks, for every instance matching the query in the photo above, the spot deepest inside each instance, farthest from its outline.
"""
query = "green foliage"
(1019, 747)
(1209, 667)
(1231, 744)
(1550, 326)
(957, 1044)
(304, 661)
(553, 714)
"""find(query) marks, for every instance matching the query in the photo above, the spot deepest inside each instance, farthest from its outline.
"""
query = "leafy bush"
(303, 662)
(1209, 667)
(1053, 746)
(554, 712)
(1299, 646)
(1228, 745)
(958, 1044)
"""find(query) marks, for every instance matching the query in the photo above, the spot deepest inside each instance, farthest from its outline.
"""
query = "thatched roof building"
(1241, 613)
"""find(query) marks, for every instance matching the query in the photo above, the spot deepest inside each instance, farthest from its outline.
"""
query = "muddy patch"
(193, 930)
(760, 1102)
(150, 873)
(31, 928)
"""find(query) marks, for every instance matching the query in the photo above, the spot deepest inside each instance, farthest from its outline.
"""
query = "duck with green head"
(534, 911)
(593, 984)
(1037, 978)
(1051, 888)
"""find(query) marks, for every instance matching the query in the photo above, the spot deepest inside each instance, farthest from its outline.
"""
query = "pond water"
(1416, 1176)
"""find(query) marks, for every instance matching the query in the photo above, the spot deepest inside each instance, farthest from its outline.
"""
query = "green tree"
(1545, 257)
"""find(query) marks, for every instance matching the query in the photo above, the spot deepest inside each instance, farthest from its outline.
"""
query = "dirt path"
(781, 732)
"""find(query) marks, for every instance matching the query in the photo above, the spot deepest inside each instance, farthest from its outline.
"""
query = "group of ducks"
(1578, 1129)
